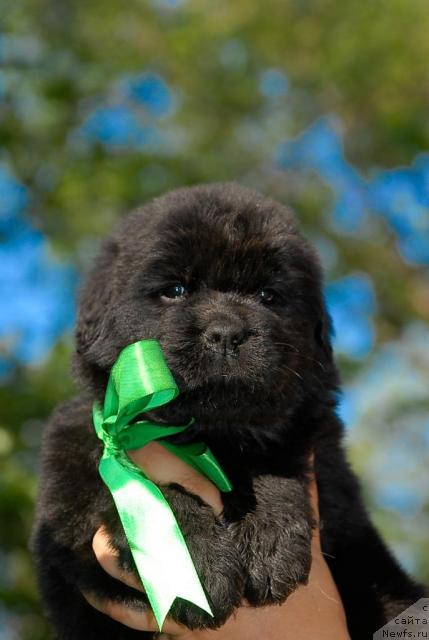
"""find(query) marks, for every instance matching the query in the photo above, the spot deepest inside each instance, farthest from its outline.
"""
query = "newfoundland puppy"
(223, 278)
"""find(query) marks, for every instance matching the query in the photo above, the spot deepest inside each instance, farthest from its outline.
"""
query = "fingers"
(132, 618)
(108, 558)
(164, 467)
(135, 619)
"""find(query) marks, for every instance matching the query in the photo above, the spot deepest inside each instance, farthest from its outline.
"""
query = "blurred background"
(320, 103)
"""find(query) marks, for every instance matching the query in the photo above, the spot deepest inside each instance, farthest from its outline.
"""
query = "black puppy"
(224, 280)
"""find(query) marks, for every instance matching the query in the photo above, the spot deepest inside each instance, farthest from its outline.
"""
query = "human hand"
(312, 610)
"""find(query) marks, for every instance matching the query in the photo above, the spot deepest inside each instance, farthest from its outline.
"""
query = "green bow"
(139, 381)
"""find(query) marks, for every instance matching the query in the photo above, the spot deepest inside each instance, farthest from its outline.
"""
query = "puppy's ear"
(95, 348)
(324, 331)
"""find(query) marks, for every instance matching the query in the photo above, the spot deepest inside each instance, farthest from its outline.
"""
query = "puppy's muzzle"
(224, 336)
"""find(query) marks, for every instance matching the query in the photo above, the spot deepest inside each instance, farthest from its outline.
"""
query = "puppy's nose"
(225, 337)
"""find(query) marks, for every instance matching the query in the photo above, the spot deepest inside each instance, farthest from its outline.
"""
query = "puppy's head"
(225, 281)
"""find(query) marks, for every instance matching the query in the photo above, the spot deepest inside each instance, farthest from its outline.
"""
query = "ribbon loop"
(140, 380)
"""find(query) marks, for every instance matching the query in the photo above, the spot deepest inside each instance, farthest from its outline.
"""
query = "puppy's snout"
(225, 336)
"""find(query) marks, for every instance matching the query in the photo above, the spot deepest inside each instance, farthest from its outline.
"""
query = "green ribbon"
(140, 380)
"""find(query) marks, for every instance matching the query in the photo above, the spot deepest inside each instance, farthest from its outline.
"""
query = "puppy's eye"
(268, 296)
(177, 290)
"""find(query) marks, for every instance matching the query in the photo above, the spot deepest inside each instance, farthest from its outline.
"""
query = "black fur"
(258, 376)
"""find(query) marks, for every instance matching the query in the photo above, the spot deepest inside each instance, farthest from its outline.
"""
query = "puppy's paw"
(118, 540)
(216, 559)
(274, 541)
(277, 565)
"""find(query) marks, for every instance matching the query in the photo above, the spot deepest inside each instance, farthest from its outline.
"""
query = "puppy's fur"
(248, 343)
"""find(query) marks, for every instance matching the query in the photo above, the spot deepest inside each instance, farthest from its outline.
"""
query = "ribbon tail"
(202, 459)
(159, 550)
